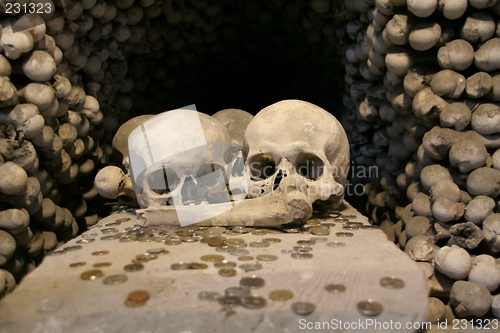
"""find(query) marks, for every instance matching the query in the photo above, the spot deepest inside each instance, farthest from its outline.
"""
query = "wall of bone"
(421, 87)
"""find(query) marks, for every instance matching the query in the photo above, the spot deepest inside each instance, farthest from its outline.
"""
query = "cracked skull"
(181, 158)
(296, 145)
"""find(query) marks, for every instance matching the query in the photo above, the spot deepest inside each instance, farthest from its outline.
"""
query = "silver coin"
(110, 237)
(223, 248)
(72, 248)
(303, 308)
(158, 250)
(369, 227)
(208, 296)
(272, 240)
(259, 244)
(250, 267)
(85, 241)
(291, 230)
(109, 230)
(344, 234)
(238, 252)
(286, 251)
(319, 239)
(173, 242)
(335, 288)
(91, 235)
(216, 230)
(335, 244)
(180, 266)
(224, 264)
(302, 249)
(55, 253)
(229, 300)
(238, 245)
(253, 302)
(189, 239)
(237, 291)
(306, 242)
(370, 307)
(302, 255)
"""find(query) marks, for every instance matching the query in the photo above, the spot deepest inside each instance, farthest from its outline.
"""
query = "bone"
(7, 247)
(8, 93)
(435, 310)
(470, 299)
(452, 9)
(487, 57)
(454, 262)
(491, 230)
(478, 27)
(485, 271)
(111, 182)
(16, 44)
(421, 248)
(424, 35)
(466, 235)
(448, 83)
(484, 181)
(467, 155)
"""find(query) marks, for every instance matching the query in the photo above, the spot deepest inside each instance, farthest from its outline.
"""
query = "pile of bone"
(423, 92)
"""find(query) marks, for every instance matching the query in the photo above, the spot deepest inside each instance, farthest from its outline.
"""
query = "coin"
(302, 255)
(87, 236)
(267, 257)
(85, 241)
(216, 230)
(212, 257)
(224, 264)
(215, 242)
(250, 267)
(159, 250)
(149, 256)
(111, 237)
(140, 260)
(306, 242)
(189, 239)
(235, 241)
(291, 230)
(124, 219)
(227, 271)
(319, 231)
(109, 230)
(100, 253)
(303, 308)
(237, 291)
(259, 244)
(286, 251)
(115, 279)
(238, 252)
(198, 265)
(72, 248)
(112, 224)
(55, 253)
(344, 234)
(272, 240)
(280, 295)
(349, 216)
(180, 266)
(259, 232)
(369, 227)
(252, 281)
(302, 249)
(102, 264)
(319, 239)
(313, 222)
(173, 242)
(133, 267)
(335, 288)
(229, 300)
(137, 298)
(185, 233)
(208, 296)
(92, 274)
(78, 264)
(253, 302)
(335, 244)
(245, 258)
(222, 248)
(392, 282)
(370, 307)
(237, 245)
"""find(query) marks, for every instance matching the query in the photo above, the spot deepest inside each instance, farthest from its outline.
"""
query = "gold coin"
(85, 241)
(272, 240)
(280, 295)
(259, 244)
(133, 267)
(125, 219)
(335, 288)
(110, 237)
(173, 242)
(102, 264)
(224, 264)
(212, 257)
(313, 222)
(100, 253)
(252, 281)
(92, 274)
(227, 271)
(259, 232)
(198, 265)
(344, 234)
(78, 264)
(319, 231)
(140, 260)
(185, 233)
(392, 282)
(245, 258)
(179, 266)
(72, 248)
(115, 279)
(303, 308)
(370, 307)
(267, 257)
(215, 242)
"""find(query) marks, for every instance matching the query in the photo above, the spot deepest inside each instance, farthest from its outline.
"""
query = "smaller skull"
(296, 145)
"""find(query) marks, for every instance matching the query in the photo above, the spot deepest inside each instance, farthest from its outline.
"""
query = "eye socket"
(309, 166)
(206, 176)
(163, 181)
(262, 166)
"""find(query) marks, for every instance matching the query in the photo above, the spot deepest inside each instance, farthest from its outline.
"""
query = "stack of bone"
(68, 79)
(422, 91)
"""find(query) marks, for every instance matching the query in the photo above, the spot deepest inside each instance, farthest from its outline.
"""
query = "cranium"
(295, 145)
(181, 158)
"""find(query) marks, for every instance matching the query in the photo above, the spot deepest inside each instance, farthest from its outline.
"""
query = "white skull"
(180, 158)
(297, 145)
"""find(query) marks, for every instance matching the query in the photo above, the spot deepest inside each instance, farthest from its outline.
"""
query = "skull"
(181, 158)
(296, 145)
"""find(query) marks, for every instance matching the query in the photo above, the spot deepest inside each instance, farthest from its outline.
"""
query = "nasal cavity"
(190, 193)
(277, 180)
